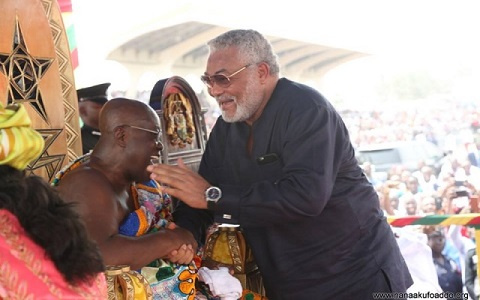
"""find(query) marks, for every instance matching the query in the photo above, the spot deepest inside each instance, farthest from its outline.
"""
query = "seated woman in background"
(44, 249)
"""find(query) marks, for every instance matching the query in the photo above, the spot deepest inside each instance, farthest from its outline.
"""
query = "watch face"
(213, 193)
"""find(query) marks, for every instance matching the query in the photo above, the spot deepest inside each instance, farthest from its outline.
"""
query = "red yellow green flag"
(68, 21)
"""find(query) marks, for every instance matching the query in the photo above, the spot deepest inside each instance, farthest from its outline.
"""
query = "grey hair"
(250, 44)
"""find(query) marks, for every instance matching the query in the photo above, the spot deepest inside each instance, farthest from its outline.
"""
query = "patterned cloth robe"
(152, 212)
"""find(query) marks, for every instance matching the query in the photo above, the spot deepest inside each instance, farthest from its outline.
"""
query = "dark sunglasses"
(221, 80)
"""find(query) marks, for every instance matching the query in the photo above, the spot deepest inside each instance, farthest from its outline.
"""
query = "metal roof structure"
(183, 46)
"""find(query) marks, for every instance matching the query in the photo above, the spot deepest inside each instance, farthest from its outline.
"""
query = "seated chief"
(131, 221)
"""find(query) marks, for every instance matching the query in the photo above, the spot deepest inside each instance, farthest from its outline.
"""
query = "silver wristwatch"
(213, 194)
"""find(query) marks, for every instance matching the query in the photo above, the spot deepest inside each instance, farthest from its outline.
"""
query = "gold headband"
(19, 142)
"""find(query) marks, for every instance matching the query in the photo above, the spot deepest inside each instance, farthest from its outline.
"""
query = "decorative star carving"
(24, 73)
(51, 163)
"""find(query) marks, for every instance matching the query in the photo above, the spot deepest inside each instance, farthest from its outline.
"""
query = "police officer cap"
(96, 93)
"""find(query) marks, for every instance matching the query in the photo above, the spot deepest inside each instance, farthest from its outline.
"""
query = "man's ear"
(120, 136)
(263, 71)
(82, 110)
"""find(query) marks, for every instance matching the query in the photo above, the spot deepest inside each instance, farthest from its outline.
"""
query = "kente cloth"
(27, 273)
(152, 212)
(19, 143)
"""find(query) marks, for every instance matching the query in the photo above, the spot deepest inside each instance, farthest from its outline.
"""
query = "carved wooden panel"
(35, 70)
(183, 125)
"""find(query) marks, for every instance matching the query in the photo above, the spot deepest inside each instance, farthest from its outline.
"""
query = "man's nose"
(215, 90)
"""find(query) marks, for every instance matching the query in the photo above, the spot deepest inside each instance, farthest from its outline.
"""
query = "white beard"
(249, 104)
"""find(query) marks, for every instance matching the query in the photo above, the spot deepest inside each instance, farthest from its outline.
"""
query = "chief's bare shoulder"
(84, 183)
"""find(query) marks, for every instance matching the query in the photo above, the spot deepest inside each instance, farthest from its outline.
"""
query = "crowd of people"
(280, 163)
(452, 189)
(445, 123)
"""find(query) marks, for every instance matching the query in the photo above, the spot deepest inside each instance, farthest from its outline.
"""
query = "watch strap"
(211, 205)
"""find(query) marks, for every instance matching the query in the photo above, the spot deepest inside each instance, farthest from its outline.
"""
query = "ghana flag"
(67, 16)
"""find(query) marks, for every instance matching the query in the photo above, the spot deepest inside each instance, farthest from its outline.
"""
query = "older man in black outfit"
(279, 163)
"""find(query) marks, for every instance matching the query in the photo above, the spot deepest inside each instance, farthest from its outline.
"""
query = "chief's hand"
(184, 237)
(181, 182)
(183, 255)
